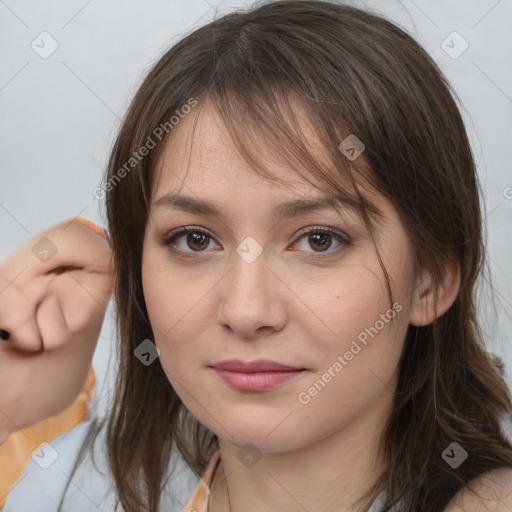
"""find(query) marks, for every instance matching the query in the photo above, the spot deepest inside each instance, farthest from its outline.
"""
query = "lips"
(258, 375)
(262, 365)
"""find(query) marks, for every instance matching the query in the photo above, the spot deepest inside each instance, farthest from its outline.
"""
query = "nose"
(250, 299)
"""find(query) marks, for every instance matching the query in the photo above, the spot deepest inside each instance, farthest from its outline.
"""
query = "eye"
(320, 239)
(196, 238)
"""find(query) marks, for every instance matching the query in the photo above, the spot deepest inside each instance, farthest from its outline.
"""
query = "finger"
(27, 274)
(83, 245)
(26, 336)
(70, 244)
(84, 298)
(17, 318)
(52, 325)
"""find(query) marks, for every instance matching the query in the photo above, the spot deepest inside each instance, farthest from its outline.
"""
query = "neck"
(331, 474)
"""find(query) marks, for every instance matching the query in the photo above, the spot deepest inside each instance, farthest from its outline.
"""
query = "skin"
(492, 492)
(285, 306)
(54, 311)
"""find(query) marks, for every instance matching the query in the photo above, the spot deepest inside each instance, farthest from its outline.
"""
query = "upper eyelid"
(324, 229)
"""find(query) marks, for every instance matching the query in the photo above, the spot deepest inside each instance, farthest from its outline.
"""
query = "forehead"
(199, 153)
(200, 160)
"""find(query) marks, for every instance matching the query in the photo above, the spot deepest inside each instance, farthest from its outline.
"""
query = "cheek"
(342, 304)
(169, 304)
(358, 340)
(357, 366)
(359, 329)
(176, 309)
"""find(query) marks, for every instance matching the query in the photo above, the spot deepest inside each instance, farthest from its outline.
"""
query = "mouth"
(258, 375)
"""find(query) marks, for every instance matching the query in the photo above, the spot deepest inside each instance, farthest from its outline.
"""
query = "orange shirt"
(200, 498)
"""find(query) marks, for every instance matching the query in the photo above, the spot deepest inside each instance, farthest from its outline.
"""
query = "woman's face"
(269, 283)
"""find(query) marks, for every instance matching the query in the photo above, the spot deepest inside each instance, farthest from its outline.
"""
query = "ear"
(423, 311)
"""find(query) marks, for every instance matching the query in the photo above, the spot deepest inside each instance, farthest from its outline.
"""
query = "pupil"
(314, 238)
(193, 237)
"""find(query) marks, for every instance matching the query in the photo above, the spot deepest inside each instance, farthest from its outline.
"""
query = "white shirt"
(91, 489)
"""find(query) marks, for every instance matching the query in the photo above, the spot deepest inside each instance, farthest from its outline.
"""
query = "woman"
(294, 215)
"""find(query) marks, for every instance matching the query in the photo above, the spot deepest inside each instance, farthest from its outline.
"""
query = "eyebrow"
(283, 210)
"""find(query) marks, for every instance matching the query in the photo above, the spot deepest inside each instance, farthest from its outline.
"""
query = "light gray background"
(60, 114)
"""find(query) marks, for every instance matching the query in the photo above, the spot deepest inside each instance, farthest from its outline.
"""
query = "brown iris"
(316, 237)
(195, 238)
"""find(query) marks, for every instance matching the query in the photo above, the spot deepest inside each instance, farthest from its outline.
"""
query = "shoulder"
(491, 492)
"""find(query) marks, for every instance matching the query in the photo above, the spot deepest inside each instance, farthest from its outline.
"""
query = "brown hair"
(356, 73)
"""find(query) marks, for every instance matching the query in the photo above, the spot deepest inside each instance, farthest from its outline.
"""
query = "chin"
(262, 438)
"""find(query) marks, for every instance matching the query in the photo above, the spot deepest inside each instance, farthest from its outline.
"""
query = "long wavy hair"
(353, 72)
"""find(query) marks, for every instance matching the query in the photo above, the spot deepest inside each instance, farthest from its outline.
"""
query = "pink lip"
(261, 365)
(255, 375)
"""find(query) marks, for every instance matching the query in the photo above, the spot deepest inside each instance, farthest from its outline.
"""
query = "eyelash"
(177, 233)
